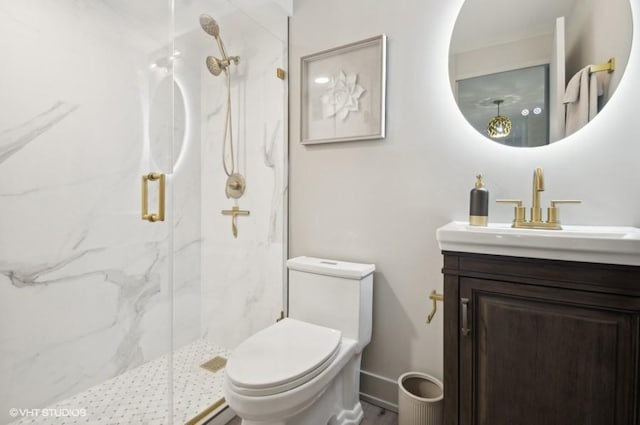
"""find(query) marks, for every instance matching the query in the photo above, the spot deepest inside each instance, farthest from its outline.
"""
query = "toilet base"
(349, 417)
(346, 417)
(338, 404)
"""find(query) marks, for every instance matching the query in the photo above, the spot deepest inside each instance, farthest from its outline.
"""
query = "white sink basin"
(594, 244)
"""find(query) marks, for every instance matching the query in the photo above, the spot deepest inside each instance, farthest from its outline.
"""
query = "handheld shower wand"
(215, 65)
(235, 181)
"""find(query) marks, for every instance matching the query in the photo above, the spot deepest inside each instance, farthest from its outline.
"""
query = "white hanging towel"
(581, 99)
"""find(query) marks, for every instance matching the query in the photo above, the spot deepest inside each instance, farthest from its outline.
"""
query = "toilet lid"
(281, 357)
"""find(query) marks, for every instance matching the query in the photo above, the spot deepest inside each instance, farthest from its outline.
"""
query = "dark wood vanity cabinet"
(540, 342)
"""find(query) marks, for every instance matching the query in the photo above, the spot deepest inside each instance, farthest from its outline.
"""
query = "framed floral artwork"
(343, 93)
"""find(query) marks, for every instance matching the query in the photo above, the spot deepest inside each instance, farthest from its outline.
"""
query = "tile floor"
(139, 396)
(373, 415)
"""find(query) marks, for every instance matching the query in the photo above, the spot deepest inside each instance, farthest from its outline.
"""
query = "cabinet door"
(546, 356)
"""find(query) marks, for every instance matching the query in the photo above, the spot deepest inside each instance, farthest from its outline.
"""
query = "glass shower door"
(85, 283)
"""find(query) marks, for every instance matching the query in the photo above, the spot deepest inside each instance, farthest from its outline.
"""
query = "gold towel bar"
(609, 66)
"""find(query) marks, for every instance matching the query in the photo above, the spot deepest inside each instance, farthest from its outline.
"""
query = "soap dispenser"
(479, 204)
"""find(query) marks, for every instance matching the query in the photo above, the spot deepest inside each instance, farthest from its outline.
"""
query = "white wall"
(381, 201)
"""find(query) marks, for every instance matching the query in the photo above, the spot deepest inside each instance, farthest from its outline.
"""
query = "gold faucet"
(538, 186)
(536, 222)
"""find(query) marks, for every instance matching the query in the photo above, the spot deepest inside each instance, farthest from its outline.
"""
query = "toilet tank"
(335, 294)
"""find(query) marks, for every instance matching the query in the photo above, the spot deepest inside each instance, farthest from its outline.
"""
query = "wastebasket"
(420, 399)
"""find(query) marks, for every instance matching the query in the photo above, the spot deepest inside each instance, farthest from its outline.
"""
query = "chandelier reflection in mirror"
(518, 90)
(499, 126)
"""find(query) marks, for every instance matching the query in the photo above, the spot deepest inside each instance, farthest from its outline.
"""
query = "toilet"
(305, 369)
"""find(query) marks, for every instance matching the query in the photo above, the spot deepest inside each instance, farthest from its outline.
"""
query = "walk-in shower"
(105, 317)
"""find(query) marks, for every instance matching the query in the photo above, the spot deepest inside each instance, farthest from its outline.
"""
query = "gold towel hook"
(434, 296)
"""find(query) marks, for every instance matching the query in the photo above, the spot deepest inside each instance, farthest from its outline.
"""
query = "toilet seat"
(281, 357)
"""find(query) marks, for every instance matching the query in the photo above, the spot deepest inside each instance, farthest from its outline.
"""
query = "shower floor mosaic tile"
(141, 396)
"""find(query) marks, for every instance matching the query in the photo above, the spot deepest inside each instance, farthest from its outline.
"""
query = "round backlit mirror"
(529, 73)
(167, 118)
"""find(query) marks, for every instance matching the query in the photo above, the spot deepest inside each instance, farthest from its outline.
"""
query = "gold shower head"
(209, 25)
(215, 65)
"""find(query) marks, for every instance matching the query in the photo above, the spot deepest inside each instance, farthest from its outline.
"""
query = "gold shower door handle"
(145, 197)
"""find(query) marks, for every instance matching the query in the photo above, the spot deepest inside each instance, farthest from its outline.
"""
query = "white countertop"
(594, 244)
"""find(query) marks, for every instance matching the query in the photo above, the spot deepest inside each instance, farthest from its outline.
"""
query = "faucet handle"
(553, 213)
(565, 201)
(518, 210)
(518, 202)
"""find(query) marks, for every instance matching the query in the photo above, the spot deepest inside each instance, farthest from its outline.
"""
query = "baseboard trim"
(379, 402)
(379, 390)
(380, 377)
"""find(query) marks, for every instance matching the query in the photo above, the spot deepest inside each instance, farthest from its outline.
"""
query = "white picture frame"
(343, 93)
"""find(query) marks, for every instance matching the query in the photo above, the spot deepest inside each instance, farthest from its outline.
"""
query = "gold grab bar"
(434, 297)
(145, 197)
(609, 66)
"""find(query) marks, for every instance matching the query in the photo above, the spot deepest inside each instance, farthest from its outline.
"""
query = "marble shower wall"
(242, 279)
(85, 288)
